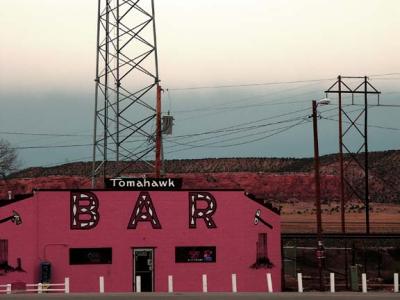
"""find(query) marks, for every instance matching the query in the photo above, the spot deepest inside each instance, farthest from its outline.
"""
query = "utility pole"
(320, 251)
(316, 170)
(158, 160)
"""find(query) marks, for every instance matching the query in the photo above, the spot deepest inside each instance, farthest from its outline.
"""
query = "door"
(143, 266)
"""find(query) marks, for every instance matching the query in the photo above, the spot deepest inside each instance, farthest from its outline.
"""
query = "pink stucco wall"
(46, 235)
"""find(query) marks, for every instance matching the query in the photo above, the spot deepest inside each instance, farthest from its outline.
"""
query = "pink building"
(121, 234)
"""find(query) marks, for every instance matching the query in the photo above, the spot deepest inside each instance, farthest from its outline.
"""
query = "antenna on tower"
(127, 118)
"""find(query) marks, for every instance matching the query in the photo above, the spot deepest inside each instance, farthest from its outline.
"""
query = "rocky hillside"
(277, 179)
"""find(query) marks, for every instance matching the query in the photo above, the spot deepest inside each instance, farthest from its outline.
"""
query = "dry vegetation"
(384, 218)
(285, 182)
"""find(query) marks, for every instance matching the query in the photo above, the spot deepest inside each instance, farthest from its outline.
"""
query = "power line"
(281, 130)
(45, 134)
(360, 124)
(241, 124)
(385, 74)
(242, 129)
(224, 109)
(247, 85)
(267, 83)
(65, 146)
(51, 146)
(225, 104)
(224, 135)
(233, 128)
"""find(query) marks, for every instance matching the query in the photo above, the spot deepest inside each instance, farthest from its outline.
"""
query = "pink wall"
(46, 234)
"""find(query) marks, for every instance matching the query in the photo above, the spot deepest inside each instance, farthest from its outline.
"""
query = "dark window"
(262, 246)
(3, 252)
(4, 267)
(90, 256)
(262, 260)
(203, 254)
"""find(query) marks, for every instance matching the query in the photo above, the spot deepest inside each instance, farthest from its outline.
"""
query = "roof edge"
(137, 190)
(16, 198)
(263, 202)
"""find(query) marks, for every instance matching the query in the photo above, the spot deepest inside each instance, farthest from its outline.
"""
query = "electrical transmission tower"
(353, 141)
(127, 121)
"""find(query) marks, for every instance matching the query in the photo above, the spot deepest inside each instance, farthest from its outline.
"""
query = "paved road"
(209, 296)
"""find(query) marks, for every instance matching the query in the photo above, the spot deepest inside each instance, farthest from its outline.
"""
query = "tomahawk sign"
(85, 213)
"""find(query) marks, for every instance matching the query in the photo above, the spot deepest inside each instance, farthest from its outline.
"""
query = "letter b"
(84, 210)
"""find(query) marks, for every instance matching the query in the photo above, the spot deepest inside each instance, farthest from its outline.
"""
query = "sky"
(47, 70)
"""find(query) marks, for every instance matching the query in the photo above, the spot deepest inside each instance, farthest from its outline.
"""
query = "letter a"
(84, 204)
(144, 211)
(206, 213)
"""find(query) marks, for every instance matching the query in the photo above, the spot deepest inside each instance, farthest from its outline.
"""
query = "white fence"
(364, 283)
(64, 287)
(38, 287)
(5, 288)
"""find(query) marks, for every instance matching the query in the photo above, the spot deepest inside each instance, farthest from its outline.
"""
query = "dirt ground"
(301, 217)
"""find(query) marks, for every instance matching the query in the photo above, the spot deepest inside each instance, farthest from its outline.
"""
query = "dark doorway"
(143, 266)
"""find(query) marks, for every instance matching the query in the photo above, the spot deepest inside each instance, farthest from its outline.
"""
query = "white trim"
(170, 284)
(205, 288)
(66, 285)
(138, 284)
(364, 282)
(101, 284)
(234, 283)
(332, 282)
(269, 283)
(300, 282)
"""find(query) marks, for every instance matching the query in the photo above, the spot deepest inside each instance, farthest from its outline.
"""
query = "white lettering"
(114, 180)
(121, 183)
(146, 183)
(130, 183)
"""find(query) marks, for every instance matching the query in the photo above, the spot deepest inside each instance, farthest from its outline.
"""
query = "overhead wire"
(44, 134)
(223, 86)
(191, 146)
(238, 125)
(224, 134)
(233, 129)
(265, 95)
(248, 84)
(213, 144)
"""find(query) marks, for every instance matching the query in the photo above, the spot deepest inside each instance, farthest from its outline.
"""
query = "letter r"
(204, 213)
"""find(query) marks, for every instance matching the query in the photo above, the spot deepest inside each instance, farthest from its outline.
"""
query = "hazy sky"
(47, 67)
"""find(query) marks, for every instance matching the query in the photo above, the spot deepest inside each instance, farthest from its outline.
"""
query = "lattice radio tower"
(353, 141)
(127, 121)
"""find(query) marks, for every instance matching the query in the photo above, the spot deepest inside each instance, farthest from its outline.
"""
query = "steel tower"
(127, 119)
(351, 132)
